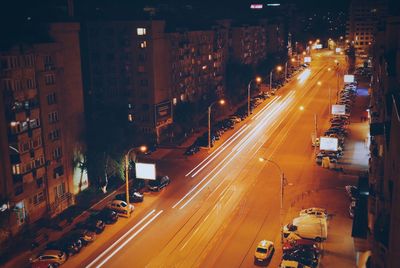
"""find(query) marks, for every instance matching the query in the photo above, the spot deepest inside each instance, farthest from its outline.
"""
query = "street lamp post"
(258, 80)
(278, 68)
(209, 120)
(142, 149)
(282, 181)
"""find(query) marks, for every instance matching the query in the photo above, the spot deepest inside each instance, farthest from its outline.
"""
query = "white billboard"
(338, 50)
(318, 46)
(328, 144)
(348, 78)
(338, 109)
(145, 171)
(307, 59)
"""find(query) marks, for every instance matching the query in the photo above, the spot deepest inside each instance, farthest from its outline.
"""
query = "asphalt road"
(222, 202)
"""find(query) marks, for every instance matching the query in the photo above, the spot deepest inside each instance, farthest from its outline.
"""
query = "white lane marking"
(129, 239)
(222, 145)
(121, 238)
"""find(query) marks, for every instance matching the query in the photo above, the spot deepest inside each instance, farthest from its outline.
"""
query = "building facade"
(42, 127)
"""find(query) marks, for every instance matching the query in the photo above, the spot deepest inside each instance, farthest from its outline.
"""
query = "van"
(307, 227)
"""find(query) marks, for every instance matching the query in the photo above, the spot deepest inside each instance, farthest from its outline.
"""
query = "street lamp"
(278, 68)
(142, 149)
(258, 80)
(222, 102)
(283, 183)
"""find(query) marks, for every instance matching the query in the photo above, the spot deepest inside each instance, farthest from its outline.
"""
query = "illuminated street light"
(142, 149)
(317, 41)
(221, 102)
(301, 108)
(278, 68)
(283, 184)
(319, 83)
(329, 69)
(258, 80)
(310, 42)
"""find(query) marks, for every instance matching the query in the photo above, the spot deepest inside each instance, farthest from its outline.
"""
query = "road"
(222, 202)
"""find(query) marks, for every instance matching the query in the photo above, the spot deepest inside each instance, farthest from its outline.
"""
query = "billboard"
(307, 59)
(348, 78)
(256, 6)
(318, 46)
(163, 113)
(338, 50)
(145, 171)
(328, 144)
(338, 109)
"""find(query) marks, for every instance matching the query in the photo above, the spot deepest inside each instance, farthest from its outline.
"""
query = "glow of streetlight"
(279, 68)
(143, 148)
(301, 108)
(293, 59)
(258, 79)
(317, 41)
(329, 69)
(304, 53)
(222, 101)
(310, 42)
(319, 83)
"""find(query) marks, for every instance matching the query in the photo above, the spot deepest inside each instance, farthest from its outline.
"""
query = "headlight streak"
(123, 237)
(304, 75)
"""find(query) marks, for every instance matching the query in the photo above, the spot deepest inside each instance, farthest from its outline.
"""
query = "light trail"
(304, 75)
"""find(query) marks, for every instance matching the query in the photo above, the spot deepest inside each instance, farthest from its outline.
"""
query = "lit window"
(141, 31)
(130, 117)
(209, 57)
(174, 101)
(204, 67)
(143, 44)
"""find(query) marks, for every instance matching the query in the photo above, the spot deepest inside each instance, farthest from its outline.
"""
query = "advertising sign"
(328, 144)
(163, 114)
(145, 171)
(338, 49)
(307, 59)
(256, 6)
(318, 46)
(348, 78)
(338, 109)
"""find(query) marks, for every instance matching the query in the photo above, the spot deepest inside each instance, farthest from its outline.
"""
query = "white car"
(50, 256)
(316, 212)
(265, 249)
(234, 118)
(121, 207)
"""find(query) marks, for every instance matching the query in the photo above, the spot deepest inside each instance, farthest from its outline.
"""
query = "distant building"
(41, 126)
(362, 23)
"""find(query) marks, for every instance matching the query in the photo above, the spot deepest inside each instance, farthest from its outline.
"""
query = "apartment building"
(41, 127)
(362, 23)
(384, 174)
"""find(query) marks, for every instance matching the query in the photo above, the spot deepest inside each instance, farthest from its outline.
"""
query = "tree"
(237, 77)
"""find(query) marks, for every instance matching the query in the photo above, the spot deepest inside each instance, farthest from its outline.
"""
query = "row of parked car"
(339, 124)
(85, 232)
(302, 239)
(224, 125)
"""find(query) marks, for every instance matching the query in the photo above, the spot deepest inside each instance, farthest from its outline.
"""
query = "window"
(58, 172)
(39, 161)
(53, 117)
(7, 84)
(36, 199)
(17, 85)
(57, 153)
(49, 79)
(144, 82)
(51, 98)
(16, 169)
(141, 31)
(24, 147)
(30, 83)
(36, 142)
(59, 190)
(29, 60)
(143, 44)
(47, 60)
(18, 190)
(54, 135)
(141, 69)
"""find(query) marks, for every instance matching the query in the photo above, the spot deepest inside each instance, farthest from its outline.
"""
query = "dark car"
(71, 245)
(108, 216)
(192, 149)
(137, 186)
(159, 183)
(84, 235)
(92, 224)
(303, 256)
(134, 197)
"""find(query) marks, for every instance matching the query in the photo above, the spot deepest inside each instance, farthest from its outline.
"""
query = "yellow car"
(264, 251)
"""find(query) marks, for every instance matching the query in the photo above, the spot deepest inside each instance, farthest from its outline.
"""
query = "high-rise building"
(362, 22)
(41, 126)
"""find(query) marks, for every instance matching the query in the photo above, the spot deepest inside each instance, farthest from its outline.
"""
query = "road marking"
(129, 239)
(121, 238)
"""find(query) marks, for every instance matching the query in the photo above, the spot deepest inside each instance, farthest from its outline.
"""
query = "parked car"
(316, 212)
(45, 264)
(84, 235)
(71, 245)
(159, 183)
(192, 149)
(121, 207)
(352, 208)
(108, 216)
(352, 191)
(52, 258)
(134, 197)
(92, 224)
(235, 118)
(264, 251)
(303, 256)
(138, 185)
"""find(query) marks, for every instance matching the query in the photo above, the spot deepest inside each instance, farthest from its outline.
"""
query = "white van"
(307, 227)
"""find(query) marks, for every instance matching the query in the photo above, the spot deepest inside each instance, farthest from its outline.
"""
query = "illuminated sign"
(328, 144)
(338, 49)
(145, 171)
(256, 6)
(307, 59)
(348, 78)
(338, 109)
(318, 46)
